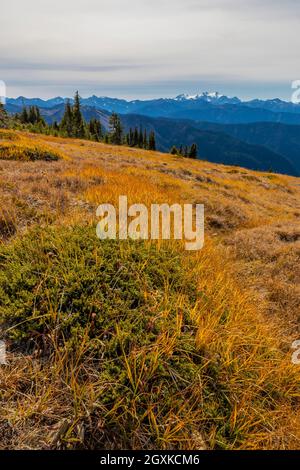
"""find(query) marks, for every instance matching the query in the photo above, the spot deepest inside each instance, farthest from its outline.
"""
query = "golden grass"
(6, 134)
(241, 322)
(18, 147)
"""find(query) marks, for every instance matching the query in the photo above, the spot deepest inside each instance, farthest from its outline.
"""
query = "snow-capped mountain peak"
(208, 96)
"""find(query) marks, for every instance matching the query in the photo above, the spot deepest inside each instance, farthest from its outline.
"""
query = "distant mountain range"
(257, 134)
(212, 107)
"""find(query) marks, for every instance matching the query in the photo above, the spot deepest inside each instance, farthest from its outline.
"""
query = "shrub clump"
(136, 345)
(122, 303)
(27, 151)
(6, 134)
(65, 278)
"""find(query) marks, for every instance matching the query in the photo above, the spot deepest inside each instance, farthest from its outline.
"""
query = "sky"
(150, 48)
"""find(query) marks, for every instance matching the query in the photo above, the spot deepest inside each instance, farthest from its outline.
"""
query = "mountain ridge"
(213, 127)
(275, 105)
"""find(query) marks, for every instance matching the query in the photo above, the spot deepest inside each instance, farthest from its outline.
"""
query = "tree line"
(74, 125)
(185, 151)
(139, 138)
(31, 115)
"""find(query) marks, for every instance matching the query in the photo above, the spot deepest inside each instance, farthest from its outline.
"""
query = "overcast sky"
(141, 48)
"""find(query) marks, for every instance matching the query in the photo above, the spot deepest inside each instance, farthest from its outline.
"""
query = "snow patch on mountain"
(205, 95)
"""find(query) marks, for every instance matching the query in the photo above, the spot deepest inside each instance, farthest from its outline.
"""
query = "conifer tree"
(141, 138)
(174, 150)
(77, 119)
(3, 116)
(136, 137)
(131, 137)
(24, 116)
(31, 115)
(39, 118)
(116, 130)
(193, 153)
(98, 129)
(145, 140)
(152, 142)
(34, 116)
(95, 130)
(66, 124)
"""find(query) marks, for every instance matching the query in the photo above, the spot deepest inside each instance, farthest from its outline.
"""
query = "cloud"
(68, 67)
(104, 43)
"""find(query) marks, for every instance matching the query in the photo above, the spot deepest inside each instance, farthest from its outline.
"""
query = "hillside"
(280, 138)
(140, 344)
(218, 144)
(273, 147)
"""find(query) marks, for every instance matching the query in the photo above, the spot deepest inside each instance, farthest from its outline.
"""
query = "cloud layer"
(145, 48)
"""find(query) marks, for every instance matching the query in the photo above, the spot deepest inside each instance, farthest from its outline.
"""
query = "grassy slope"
(142, 345)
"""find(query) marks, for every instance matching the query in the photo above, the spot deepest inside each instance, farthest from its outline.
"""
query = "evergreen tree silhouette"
(141, 138)
(3, 116)
(152, 141)
(24, 116)
(66, 124)
(145, 140)
(136, 137)
(95, 130)
(193, 151)
(116, 130)
(77, 119)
